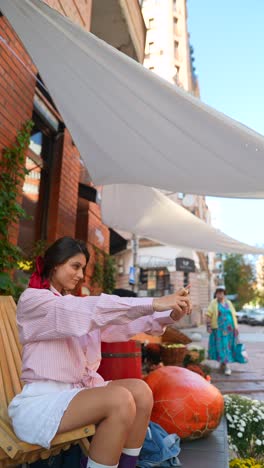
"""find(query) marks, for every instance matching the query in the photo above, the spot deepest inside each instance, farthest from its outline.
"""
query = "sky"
(228, 41)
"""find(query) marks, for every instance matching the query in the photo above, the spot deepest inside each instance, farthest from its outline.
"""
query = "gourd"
(184, 402)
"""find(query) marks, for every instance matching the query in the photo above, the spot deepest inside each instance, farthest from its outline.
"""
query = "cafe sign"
(185, 264)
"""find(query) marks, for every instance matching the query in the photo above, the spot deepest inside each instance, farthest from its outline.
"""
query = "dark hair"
(219, 290)
(60, 251)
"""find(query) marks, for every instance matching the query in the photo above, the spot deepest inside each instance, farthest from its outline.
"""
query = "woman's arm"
(43, 316)
(152, 324)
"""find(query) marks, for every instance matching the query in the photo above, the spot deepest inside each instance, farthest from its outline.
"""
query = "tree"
(260, 281)
(239, 279)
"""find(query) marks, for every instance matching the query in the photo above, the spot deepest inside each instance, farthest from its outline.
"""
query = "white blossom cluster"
(245, 421)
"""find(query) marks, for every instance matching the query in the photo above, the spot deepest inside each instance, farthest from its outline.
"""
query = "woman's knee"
(143, 396)
(122, 405)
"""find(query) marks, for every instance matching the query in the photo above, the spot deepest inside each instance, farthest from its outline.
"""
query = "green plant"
(109, 274)
(193, 361)
(104, 271)
(28, 263)
(12, 174)
(98, 271)
(245, 463)
(245, 421)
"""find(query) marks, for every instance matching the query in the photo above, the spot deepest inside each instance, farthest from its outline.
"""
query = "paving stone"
(209, 452)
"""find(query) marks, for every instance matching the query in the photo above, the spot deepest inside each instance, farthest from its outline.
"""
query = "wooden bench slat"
(12, 450)
(12, 338)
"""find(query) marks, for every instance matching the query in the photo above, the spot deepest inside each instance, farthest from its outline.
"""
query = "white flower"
(229, 417)
(239, 434)
(258, 442)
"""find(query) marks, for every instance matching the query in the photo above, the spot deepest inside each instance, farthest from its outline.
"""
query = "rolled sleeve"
(41, 315)
(154, 324)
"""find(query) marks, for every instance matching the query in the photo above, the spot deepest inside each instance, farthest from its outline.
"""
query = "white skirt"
(37, 411)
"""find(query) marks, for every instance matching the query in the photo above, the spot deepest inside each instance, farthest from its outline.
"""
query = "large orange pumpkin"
(184, 402)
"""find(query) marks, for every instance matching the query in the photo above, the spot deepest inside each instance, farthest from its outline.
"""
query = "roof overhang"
(121, 24)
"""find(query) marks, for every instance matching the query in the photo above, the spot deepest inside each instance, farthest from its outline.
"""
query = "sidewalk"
(246, 379)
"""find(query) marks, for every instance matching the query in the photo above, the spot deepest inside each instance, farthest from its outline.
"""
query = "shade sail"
(149, 213)
(130, 125)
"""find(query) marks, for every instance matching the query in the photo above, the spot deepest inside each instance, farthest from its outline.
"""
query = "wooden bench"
(12, 450)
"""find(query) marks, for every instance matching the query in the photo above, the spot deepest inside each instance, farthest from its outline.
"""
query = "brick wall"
(17, 89)
(16, 92)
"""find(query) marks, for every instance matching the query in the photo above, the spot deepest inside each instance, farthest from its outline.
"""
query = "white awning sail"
(149, 213)
(131, 126)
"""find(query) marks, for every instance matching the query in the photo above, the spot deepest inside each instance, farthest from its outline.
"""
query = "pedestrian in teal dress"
(223, 329)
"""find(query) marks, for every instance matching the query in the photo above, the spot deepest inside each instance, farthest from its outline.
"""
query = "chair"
(12, 450)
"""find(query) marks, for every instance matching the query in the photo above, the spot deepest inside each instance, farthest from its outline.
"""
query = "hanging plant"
(109, 274)
(98, 271)
(12, 175)
(104, 271)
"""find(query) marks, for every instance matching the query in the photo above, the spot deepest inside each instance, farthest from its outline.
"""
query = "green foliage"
(239, 279)
(104, 271)
(109, 274)
(98, 272)
(12, 175)
(245, 421)
(28, 264)
(259, 299)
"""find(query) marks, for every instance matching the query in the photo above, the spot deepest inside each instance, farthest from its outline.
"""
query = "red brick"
(17, 88)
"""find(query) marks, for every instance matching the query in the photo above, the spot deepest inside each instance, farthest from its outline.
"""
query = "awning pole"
(135, 260)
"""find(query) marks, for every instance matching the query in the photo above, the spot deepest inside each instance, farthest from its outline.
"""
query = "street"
(246, 379)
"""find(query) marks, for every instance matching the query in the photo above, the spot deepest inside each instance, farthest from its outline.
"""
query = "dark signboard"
(185, 264)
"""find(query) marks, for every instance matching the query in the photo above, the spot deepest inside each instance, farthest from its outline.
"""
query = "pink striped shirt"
(61, 335)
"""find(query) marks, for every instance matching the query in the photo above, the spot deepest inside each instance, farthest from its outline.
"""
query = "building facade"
(163, 269)
(58, 193)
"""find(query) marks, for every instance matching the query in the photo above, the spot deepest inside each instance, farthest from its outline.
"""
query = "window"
(154, 282)
(151, 47)
(151, 23)
(176, 76)
(36, 188)
(175, 26)
(176, 49)
(36, 141)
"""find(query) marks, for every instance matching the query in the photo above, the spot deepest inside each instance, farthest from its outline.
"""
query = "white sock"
(132, 452)
(92, 464)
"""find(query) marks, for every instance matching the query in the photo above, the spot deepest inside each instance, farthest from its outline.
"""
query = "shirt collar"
(52, 289)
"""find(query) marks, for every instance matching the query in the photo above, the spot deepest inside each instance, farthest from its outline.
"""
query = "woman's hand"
(208, 326)
(179, 302)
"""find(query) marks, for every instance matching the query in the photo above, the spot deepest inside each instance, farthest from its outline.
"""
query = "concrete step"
(250, 384)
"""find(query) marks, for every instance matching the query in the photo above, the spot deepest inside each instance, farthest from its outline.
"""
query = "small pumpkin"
(184, 402)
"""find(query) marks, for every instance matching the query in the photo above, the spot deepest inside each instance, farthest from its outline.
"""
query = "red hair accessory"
(36, 280)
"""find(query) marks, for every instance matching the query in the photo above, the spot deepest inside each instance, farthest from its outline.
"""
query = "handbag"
(241, 353)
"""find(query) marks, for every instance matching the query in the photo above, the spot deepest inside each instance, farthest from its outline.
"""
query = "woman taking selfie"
(61, 336)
